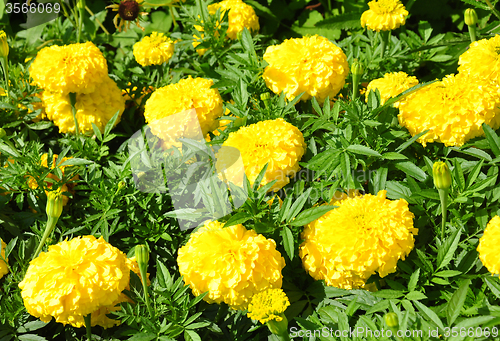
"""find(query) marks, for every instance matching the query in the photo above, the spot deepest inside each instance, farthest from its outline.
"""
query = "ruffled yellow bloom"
(391, 85)
(240, 16)
(97, 107)
(4, 269)
(78, 68)
(384, 15)
(453, 110)
(488, 246)
(276, 142)
(482, 60)
(73, 279)
(155, 49)
(231, 263)
(313, 65)
(268, 305)
(189, 93)
(364, 235)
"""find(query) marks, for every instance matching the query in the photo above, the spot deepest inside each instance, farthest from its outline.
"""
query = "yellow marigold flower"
(482, 60)
(268, 305)
(240, 16)
(391, 85)
(4, 269)
(364, 235)
(155, 49)
(276, 142)
(384, 15)
(313, 65)
(488, 246)
(231, 263)
(78, 68)
(73, 279)
(97, 107)
(453, 110)
(4, 46)
(189, 93)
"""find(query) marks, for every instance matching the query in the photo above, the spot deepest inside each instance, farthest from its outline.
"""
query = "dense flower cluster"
(363, 235)
(276, 142)
(155, 49)
(452, 109)
(313, 65)
(488, 246)
(97, 107)
(240, 16)
(384, 15)
(4, 269)
(231, 263)
(391, 85)
(482, 60)
(73, 279)
(189, 93)
(268, 305)
(78, 68)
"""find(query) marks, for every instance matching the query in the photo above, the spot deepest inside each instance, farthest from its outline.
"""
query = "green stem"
(51, 224)
(72, 98)
(495, 12)
(472, 33)
(385, 42)
(142, 270)
(5, 66)
(88, 327)
(443, 196)
(355, 85)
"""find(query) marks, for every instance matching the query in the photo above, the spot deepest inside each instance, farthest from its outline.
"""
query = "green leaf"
(493, 284)
(298, 204)
(456, 302)
(493, 139)
(306, 216)
(191, 335)
(363, 150)
(448, 273)
(470, 323)
(459, 174)
(447, 250)
(111, 123)
(410, 141)
(238, 218)
(143, 337)
(474, 174)
(429, 314)
(415, 296)
(477, 4)
(394, 156)
(344, 21)
(388, 293)
(412, 284)
(412, 170)
(288, 243)
(31, 337)
(97, 132)
(474, 152)
(75, 162)
(163, 276)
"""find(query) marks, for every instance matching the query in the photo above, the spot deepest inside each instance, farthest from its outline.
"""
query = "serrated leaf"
(75, 162)
(288, 243)
(456, 302)
(363, 150)
(412, 284)
(394, 156)
(493, 284)
(307, 216)
(429, 314)
(388, 293)
(410, 141)
(448, 273)
(412, 170)
(447, 250)
(297, 205)
(493, 139)
(415, 296)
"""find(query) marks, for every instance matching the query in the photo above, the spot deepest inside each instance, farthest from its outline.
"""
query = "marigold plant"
(268, 305)
(391, 85)
(73, 279)
(364, 235)
(488, 246)
(231, 263)
(4, 268)
(313, 65)
(155, 49)
(240, 16)
(482, 59)
(384, 15)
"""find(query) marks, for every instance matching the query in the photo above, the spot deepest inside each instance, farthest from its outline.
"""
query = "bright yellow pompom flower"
(363, 235)
(78, 68)
(268, 305)
(391, 85)
(189, 93)
(97, 107)
(73, 279)
(313, 65)
(4, 269)
(482, 60)
(384, 15)
(240, 16)
(488, 246)
(231, 263)
(452, 109)
(276, 142)
(153, 50)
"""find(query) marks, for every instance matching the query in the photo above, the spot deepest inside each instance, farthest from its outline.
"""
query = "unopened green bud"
(470, 17)
(54, 204)
(3, 133)
(357, 68)
(4, 47)
(265, 96)
(391, 319)
(142, 255)
(80, 4)
(278, 327)
(442, 175)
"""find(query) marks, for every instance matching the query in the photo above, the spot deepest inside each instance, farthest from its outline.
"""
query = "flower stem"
(472, 33)
(495, 12)
(385, 42)
(87, 319)
(443, 196)
(142, 270)
(51, 223)
(72, 98)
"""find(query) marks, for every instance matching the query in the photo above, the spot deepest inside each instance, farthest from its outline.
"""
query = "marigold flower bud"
(142, 255)
(4, 47)
(442, 175)
(54, 204)
(80, 4)
(470, 17)
(357, 68)
(391, 319)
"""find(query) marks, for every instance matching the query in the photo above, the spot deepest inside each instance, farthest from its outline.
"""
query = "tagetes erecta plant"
(384, 15)
(240, 16)
(155, 49)
(391, 85)
(482, 60)
(231, 263)
(488, 246)
(364, 235)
